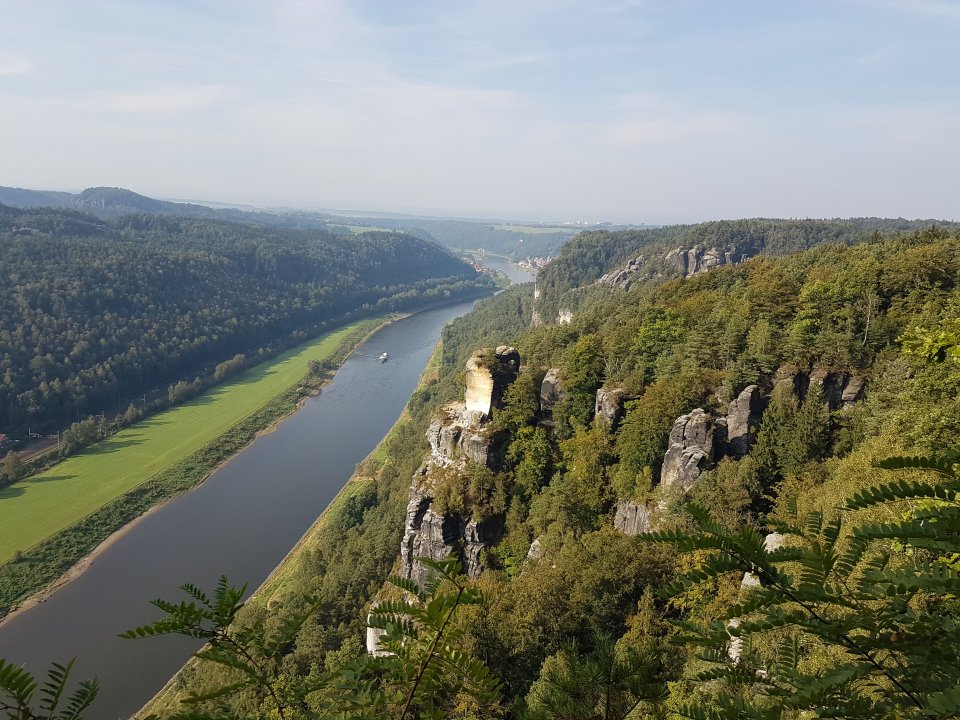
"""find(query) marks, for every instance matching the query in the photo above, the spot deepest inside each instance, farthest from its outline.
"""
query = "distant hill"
(515, 240)
(23, 198)
(118, 201)
(103, 202)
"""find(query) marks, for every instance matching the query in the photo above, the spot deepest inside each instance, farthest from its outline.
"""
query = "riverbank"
(284, 584)
(64, 555)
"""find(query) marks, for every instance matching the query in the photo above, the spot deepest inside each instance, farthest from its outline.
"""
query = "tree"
(11, 466)
(607, 683)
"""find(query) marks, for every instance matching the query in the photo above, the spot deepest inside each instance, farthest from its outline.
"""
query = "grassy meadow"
(42, 505)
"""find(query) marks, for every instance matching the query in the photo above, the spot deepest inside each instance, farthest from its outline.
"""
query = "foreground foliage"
(421, 672)
(849, 619)
(22, 697)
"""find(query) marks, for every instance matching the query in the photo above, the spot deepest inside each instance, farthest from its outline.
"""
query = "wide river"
(241, 521)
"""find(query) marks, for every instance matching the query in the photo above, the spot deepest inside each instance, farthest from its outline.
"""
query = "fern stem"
(243, 651)
(430, 653)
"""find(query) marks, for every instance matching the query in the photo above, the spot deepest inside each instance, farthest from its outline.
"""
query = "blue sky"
(642, 110)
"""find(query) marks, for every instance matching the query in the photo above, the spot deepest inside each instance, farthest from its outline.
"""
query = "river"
(242, 521)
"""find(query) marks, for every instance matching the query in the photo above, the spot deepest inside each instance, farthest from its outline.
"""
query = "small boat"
(384, 357)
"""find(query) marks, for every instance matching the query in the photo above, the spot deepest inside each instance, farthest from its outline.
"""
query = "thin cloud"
(171, 100)
(13, 66)
(944, 9)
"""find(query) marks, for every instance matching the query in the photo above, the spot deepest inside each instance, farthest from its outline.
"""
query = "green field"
(37, 507)
(534, 229)
(359, 229)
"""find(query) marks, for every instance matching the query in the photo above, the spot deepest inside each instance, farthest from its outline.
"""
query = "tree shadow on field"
(21, 486)
(112, 445)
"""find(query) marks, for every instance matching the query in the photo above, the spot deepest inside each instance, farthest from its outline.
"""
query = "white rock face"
(373, 642)
(479, 395)
(535, 551)
(564, 316)
(488, 378)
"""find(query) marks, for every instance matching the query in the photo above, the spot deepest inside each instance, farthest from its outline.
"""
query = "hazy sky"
(642, 110)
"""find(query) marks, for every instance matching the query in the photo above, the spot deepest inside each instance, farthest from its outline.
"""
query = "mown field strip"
(40, 506)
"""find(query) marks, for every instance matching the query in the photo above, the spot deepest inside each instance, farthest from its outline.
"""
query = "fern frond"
(901, 490)
(943, 466)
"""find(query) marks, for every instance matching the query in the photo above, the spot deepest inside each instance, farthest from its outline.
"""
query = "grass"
(42, 505)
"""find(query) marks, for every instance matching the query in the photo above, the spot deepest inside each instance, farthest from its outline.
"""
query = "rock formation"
(840, 388)
(687, 262)
(695, 441)
(551, 392)
(743, 417)
(831, 383)
(564, 316)
(459, 434)
(535, 551)
(632, 518)
(462, 434)
(609, 405)
(853, 390)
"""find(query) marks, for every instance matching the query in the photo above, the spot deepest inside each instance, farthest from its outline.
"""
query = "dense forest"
(847, 354)
(94, 313)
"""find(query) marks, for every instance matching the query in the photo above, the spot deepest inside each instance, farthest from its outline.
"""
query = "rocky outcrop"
(840, 388)
(743, 417)
(426, 534)
(535, 552)
(564, 316)
(701, 258)
(853, 391)
(488, 375)
(477, 536)
(632, 518)
(460, 435)
(687, 262)
(624, 277)
(609, 405)
(831, 383)
(695, 442)
(551, 392)
(432, 535)
(791, 379)
(373, 642)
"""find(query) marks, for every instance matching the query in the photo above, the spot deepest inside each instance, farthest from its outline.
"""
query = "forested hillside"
(96, 312)
(593, 254)
(754, 393)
